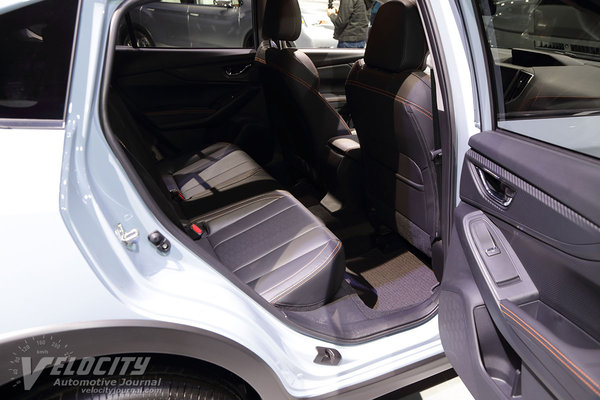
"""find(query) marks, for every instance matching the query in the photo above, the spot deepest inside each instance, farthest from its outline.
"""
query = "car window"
(347, 27)
(546, 67)
(36, 42)
(317, 28)
(190, 24)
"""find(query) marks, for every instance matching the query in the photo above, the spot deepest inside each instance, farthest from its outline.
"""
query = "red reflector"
(196, 229)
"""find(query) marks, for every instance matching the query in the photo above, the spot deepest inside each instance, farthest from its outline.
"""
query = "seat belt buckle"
(197, 230)
(176, 195)
(436, 155)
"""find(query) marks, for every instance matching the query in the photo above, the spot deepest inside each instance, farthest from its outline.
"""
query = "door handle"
(495, 189)
(236, 71)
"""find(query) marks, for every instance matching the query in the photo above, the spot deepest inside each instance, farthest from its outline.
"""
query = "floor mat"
(400, 279)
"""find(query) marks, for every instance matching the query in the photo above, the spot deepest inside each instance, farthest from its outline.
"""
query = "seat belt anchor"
(197, 230)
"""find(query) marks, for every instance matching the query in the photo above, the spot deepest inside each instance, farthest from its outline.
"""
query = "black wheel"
(142, 39)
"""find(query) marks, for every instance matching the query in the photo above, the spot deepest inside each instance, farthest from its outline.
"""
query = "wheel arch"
(154, 337)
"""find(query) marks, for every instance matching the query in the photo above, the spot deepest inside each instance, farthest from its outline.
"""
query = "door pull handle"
(495, 189)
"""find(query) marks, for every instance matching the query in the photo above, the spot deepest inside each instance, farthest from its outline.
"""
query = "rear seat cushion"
(217, 168)
(276, 246)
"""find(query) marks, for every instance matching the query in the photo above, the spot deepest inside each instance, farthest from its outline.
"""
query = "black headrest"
(283, 20)
(396, 40)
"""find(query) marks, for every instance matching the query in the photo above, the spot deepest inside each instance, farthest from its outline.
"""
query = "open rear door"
(519, 309)
(520, 301)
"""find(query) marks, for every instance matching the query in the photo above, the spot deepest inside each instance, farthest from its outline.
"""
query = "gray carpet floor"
(400, 280)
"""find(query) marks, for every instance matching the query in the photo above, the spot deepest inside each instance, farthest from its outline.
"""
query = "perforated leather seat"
(304, 120)
(390, 100)
(280, 249)
(268, 239)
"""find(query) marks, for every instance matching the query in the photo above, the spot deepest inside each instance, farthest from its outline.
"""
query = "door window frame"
(54, 123)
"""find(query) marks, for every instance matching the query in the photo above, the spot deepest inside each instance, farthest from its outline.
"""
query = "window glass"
(546, 65)
(346, 26)
(546, 54)
(191, 24)
(36, 43)
(317, 28)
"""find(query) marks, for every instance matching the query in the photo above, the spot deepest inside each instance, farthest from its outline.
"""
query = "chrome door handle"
(495, 189)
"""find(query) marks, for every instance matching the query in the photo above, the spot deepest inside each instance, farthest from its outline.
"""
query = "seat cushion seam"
(306, 278)
(236, 179)
(253, 226)
(208, 159)
(234, 207)
(226, 184)
(210, 164)
(277, 248)
(298, 271)
(226, 171)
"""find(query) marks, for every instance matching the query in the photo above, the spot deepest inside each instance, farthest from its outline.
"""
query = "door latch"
(327, 356)
(127, 238)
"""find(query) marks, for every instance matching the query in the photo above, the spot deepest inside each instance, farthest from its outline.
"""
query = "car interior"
(329, 212)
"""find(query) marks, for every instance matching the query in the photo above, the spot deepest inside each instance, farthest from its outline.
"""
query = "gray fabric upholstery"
(275, 245)
(392, 112)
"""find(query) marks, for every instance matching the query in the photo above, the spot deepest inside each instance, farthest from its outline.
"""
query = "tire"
(142, 39)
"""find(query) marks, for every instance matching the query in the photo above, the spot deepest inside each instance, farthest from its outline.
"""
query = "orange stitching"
(303, 83)
(516, 319)
(550, 344)
(319, 269)
(394, 97)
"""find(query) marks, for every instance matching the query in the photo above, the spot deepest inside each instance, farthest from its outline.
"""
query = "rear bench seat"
(217, 168)
(272, 243)
(266, 237)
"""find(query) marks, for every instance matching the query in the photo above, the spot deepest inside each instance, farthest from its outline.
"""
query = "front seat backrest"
(390, 102)
(302, 117)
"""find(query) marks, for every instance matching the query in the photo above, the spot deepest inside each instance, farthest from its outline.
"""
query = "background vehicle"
(192, 23)
(215, 23)
(96, 265)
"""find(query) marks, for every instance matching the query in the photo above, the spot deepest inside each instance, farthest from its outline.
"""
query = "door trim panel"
(532, 210)
(503, 272)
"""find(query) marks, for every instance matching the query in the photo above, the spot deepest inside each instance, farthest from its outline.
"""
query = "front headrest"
(396, 40)
(283, 20)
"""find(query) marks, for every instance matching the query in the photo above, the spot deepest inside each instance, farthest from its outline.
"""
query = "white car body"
(55, 281)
